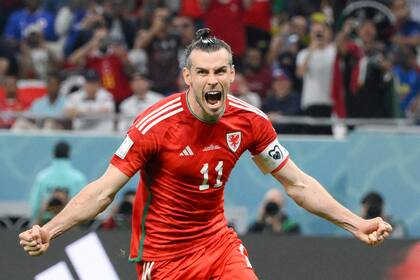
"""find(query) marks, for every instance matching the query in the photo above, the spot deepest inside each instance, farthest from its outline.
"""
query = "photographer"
(372, 205)
(365, 74)
(109, 58)
(37, 58)
(51, 207)
(272, 219)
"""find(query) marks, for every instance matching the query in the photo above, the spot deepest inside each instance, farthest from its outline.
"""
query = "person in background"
(256, 72)
(407, 30)
(372, 205)
(91, 107)
(21, 19)
(58, 180)
(122, 213)
(10, 102)
(8, 60)
(162, 46)
(315, 67)
(407, 80)
(272, 218)
(109, 58)
(141, 99)
(52, 206)
(45, 112)
(240, 89)
(282, 101)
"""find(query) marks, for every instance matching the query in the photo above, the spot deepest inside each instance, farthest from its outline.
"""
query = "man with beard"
(185, 147)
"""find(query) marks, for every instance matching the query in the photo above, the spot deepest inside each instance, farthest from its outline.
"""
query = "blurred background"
(338, 79)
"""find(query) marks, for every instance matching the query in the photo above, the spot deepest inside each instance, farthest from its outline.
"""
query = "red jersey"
(227, 13)
(111, 70)
(185, 164)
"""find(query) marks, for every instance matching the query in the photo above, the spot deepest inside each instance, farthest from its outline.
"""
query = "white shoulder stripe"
(240, 101)
(246, 108)
(157, 110)
(152, 117)
(170, 114)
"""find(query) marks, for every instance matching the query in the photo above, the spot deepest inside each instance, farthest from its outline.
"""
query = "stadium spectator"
(272, 218)
(373, 206)
(122, 214)
(67, 25)
(256, 72)
(282, 101)
(109, 58)
(185, 147)
(239, 88)
(92, 107)
(9, 102)
(141, 99)
(117, 17)
(8, 61)
(408, 30)
(365, 72)
(315, 66)
(285, 45)
(57, 181)
(218, 14)
(137, 55)
(45, 112)
(257, 21)
(37, 57)
(52, 206)
(184, 27)
(31, 15)
(407, 80)
(162, 48)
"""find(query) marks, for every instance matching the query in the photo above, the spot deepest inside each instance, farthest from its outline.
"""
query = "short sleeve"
(263, 134)
(134, 151)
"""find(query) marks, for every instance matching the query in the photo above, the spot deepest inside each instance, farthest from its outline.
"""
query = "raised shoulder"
(158, 112)
(241, 105)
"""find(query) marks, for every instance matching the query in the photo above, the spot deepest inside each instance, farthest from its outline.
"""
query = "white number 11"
(205, 171)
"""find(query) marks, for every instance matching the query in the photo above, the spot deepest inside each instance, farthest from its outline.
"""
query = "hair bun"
(203, 33)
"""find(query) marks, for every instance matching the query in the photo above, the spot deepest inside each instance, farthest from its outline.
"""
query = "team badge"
(233, 140)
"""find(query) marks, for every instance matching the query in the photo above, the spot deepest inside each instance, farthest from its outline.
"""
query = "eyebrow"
(197, 68)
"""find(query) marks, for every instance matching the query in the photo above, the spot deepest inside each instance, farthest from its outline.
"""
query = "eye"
(201, 72)
(220, 72)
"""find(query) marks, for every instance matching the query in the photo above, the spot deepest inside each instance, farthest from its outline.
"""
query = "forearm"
(83, 207)
(314, 198)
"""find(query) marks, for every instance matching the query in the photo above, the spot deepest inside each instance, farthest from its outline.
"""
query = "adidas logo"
(186, 152)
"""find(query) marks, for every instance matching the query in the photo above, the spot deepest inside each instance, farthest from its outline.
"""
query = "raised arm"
(309, 194)
(86, 205)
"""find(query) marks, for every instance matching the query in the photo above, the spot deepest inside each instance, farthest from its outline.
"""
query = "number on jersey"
(205, 171)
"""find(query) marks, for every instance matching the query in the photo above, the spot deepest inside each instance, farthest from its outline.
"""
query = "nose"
(212, 80)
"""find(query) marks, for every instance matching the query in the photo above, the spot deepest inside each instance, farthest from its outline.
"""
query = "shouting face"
(209, 78)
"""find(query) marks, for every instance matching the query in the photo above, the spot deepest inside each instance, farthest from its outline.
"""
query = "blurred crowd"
(74, 64)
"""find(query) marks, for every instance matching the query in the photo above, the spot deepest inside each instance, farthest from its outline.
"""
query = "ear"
(187, 76)
(232, 72)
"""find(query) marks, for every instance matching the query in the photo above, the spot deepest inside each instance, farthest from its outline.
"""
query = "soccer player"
(185, 147)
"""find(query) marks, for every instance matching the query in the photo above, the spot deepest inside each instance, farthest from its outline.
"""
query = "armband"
(272, 157)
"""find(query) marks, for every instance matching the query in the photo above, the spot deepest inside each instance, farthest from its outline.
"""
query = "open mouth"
(213, 97)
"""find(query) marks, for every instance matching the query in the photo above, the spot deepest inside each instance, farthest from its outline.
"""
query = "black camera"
(271, 209)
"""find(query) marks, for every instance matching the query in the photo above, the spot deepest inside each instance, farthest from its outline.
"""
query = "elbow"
(298, 189)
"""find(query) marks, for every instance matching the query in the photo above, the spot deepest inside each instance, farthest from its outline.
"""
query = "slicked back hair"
(204, 42)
